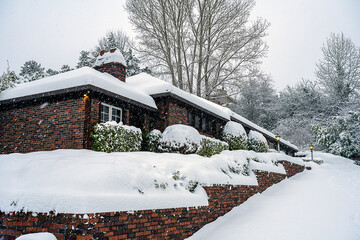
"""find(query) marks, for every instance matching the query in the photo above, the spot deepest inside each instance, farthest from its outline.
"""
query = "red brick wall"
(39, 127)
(292, 168)
(174, 223)
(177, 114)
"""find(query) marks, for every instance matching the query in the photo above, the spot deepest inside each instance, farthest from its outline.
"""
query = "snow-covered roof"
(109, 57)
(154, 86)
(76, 78)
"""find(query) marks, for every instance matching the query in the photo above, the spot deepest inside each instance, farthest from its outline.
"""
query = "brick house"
(60, 111)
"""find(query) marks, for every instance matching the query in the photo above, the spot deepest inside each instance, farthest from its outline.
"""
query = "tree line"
(32, 70)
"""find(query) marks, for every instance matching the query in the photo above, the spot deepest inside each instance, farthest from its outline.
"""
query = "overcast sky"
(54, 32)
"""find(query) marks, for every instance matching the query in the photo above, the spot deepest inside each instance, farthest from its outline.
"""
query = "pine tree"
(31, 70)
(85, 59)
(8, 79)
(65, 68)
(51, 72)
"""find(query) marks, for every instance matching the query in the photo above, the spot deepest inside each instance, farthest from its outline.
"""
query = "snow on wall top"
(76, 78)
(109, 57)
(153, 86)
(84, 181)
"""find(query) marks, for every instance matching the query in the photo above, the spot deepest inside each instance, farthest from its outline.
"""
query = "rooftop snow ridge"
(76, 78)
(114, 55)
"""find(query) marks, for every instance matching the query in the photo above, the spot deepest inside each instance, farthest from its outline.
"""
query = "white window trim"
(111, 107)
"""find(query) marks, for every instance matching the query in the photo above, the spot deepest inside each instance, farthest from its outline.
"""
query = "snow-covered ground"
(84, 181)
(320, 204)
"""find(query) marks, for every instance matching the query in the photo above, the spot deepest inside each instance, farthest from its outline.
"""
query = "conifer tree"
(85, 59)
(51, 72)
(31, 70)
(8, 79)
(65, 68)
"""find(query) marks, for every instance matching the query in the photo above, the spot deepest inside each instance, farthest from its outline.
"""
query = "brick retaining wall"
(174, 223)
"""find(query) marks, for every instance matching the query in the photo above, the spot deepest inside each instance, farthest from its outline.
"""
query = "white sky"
(54, 32)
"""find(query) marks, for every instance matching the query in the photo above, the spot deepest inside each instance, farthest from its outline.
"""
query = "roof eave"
(73, 90)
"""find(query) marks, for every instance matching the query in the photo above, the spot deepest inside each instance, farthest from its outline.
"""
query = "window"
(203, 124)
(190, 119)
(197, 121)
(110, 113)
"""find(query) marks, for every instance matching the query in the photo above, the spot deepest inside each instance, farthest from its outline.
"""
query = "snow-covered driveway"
(320, 204)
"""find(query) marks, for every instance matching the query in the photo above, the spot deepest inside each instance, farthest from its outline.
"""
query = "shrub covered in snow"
(235, 135)
(211, 146)
(180, 139)
(37, 236)
(341, 135)
(257, 142)
(116, 137)
(151, 140)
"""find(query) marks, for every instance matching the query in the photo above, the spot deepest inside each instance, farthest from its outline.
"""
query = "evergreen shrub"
(211, 146)
(151, 140)
(180, 139)
(235, 135)
(116, 137)
(257, 142)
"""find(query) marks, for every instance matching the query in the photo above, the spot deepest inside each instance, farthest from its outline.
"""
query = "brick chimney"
(112, 62)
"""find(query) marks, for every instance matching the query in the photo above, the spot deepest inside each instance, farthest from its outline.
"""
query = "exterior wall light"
(312, 152)
(278, 142)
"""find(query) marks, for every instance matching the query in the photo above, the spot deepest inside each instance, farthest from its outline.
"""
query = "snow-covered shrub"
(238, 167)
(151, 140)
(180, 139)
(116, 137)
(257, 142)
(341, 135)
(235, 135)
(211, 146)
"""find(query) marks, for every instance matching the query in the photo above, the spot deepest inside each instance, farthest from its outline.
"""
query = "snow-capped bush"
(211, 146)
(180, 139)
(116, 137)
(37, 236)
(341, 135)
(257, 142)
(235, 135)
(151, 140)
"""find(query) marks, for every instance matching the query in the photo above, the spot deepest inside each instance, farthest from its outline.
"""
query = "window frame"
(110, 112)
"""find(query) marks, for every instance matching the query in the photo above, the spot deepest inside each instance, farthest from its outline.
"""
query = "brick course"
(177, 114)
(174, 223)
(44, 126)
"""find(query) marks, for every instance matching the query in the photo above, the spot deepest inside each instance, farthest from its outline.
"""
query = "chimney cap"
(112, 56)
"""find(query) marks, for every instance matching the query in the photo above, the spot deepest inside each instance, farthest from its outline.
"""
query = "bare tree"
(339, 71)
(201, 44)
